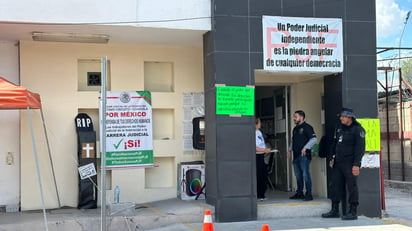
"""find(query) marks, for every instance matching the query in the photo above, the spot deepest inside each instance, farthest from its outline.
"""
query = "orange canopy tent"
(17, 97)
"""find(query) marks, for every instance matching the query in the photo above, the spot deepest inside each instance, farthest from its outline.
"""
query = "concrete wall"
(9, 123)
(394, 117)
(396, 160)
(51, 69)
(394, 157)
(111, 11)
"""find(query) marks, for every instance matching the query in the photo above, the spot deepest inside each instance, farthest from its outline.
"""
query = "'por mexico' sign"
(129, 135)
(302, 44)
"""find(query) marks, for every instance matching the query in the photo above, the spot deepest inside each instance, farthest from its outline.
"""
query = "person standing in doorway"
(303, 138)
(349, 147)
(261, 171)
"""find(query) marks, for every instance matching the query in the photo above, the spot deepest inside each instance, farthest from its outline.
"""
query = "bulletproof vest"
(346, 137)
(300, 137)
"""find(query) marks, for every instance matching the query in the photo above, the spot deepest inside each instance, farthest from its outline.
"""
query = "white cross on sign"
(87, 150)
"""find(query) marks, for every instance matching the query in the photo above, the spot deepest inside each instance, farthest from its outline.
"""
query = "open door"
(274, 111)
(282, 128)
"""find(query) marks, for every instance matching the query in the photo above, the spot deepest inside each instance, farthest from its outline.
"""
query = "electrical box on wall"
(9, 158)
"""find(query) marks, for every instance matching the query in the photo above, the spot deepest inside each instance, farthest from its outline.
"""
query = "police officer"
(349, 148)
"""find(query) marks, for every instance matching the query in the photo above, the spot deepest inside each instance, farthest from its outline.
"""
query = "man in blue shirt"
(303, 138)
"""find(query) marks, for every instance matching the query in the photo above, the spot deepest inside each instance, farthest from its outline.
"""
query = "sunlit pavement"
(278, 212)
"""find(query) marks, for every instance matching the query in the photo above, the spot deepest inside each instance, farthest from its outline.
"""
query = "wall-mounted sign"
(373, 134)
(302, 44)
(232, 100)
(129, 136)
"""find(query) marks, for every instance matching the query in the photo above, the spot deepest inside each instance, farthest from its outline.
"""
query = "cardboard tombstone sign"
(87, 161)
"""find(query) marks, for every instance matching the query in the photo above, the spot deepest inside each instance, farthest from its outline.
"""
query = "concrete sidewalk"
(174, 214)
(306, 224)
(144, 217)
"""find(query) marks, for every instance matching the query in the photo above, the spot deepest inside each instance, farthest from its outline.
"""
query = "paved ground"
(176, 215)
(306, 224)
(398, 206)
(398, 216)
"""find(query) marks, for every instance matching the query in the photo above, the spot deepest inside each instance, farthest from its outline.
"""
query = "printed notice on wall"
(302, 44)
(280, 126)
(231, 100)
(193, 106)
(373, 134)
(370, 160)
(129, 136)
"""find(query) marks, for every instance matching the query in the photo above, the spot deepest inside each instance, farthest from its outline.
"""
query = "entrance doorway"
(273, 109)
(276, 100)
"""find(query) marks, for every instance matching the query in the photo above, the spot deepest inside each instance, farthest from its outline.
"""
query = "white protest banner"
(129, 136)
(302, 44)
(87, 171)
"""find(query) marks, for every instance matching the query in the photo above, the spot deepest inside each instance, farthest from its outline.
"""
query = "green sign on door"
(231, 100)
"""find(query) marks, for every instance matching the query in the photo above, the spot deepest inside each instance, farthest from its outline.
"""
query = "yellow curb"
(154, 210)
(199, 204)
(190, 226)
(390, 221)
(293, 204)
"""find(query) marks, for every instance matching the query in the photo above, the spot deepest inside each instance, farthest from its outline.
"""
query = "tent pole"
(50, 157)
(37, 167)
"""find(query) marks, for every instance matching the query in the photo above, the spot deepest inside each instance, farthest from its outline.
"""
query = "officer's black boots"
(352, 215)
(334, 212)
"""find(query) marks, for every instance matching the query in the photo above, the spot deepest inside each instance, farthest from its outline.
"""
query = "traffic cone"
(207, 222)
(265, 227)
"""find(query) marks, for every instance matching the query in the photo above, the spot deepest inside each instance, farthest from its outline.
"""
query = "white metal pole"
(50, 157)
(103, 143)
(37, 168)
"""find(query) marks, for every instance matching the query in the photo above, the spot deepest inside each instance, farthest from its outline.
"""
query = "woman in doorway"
(261, 171)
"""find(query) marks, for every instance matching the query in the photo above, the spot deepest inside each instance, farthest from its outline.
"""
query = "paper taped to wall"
(371, 160)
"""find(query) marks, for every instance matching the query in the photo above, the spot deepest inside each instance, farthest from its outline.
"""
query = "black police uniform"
(349, 149)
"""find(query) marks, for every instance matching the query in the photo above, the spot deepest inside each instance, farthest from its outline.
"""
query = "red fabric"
(17, 97)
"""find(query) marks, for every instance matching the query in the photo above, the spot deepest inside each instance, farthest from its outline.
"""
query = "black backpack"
(323, 147)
